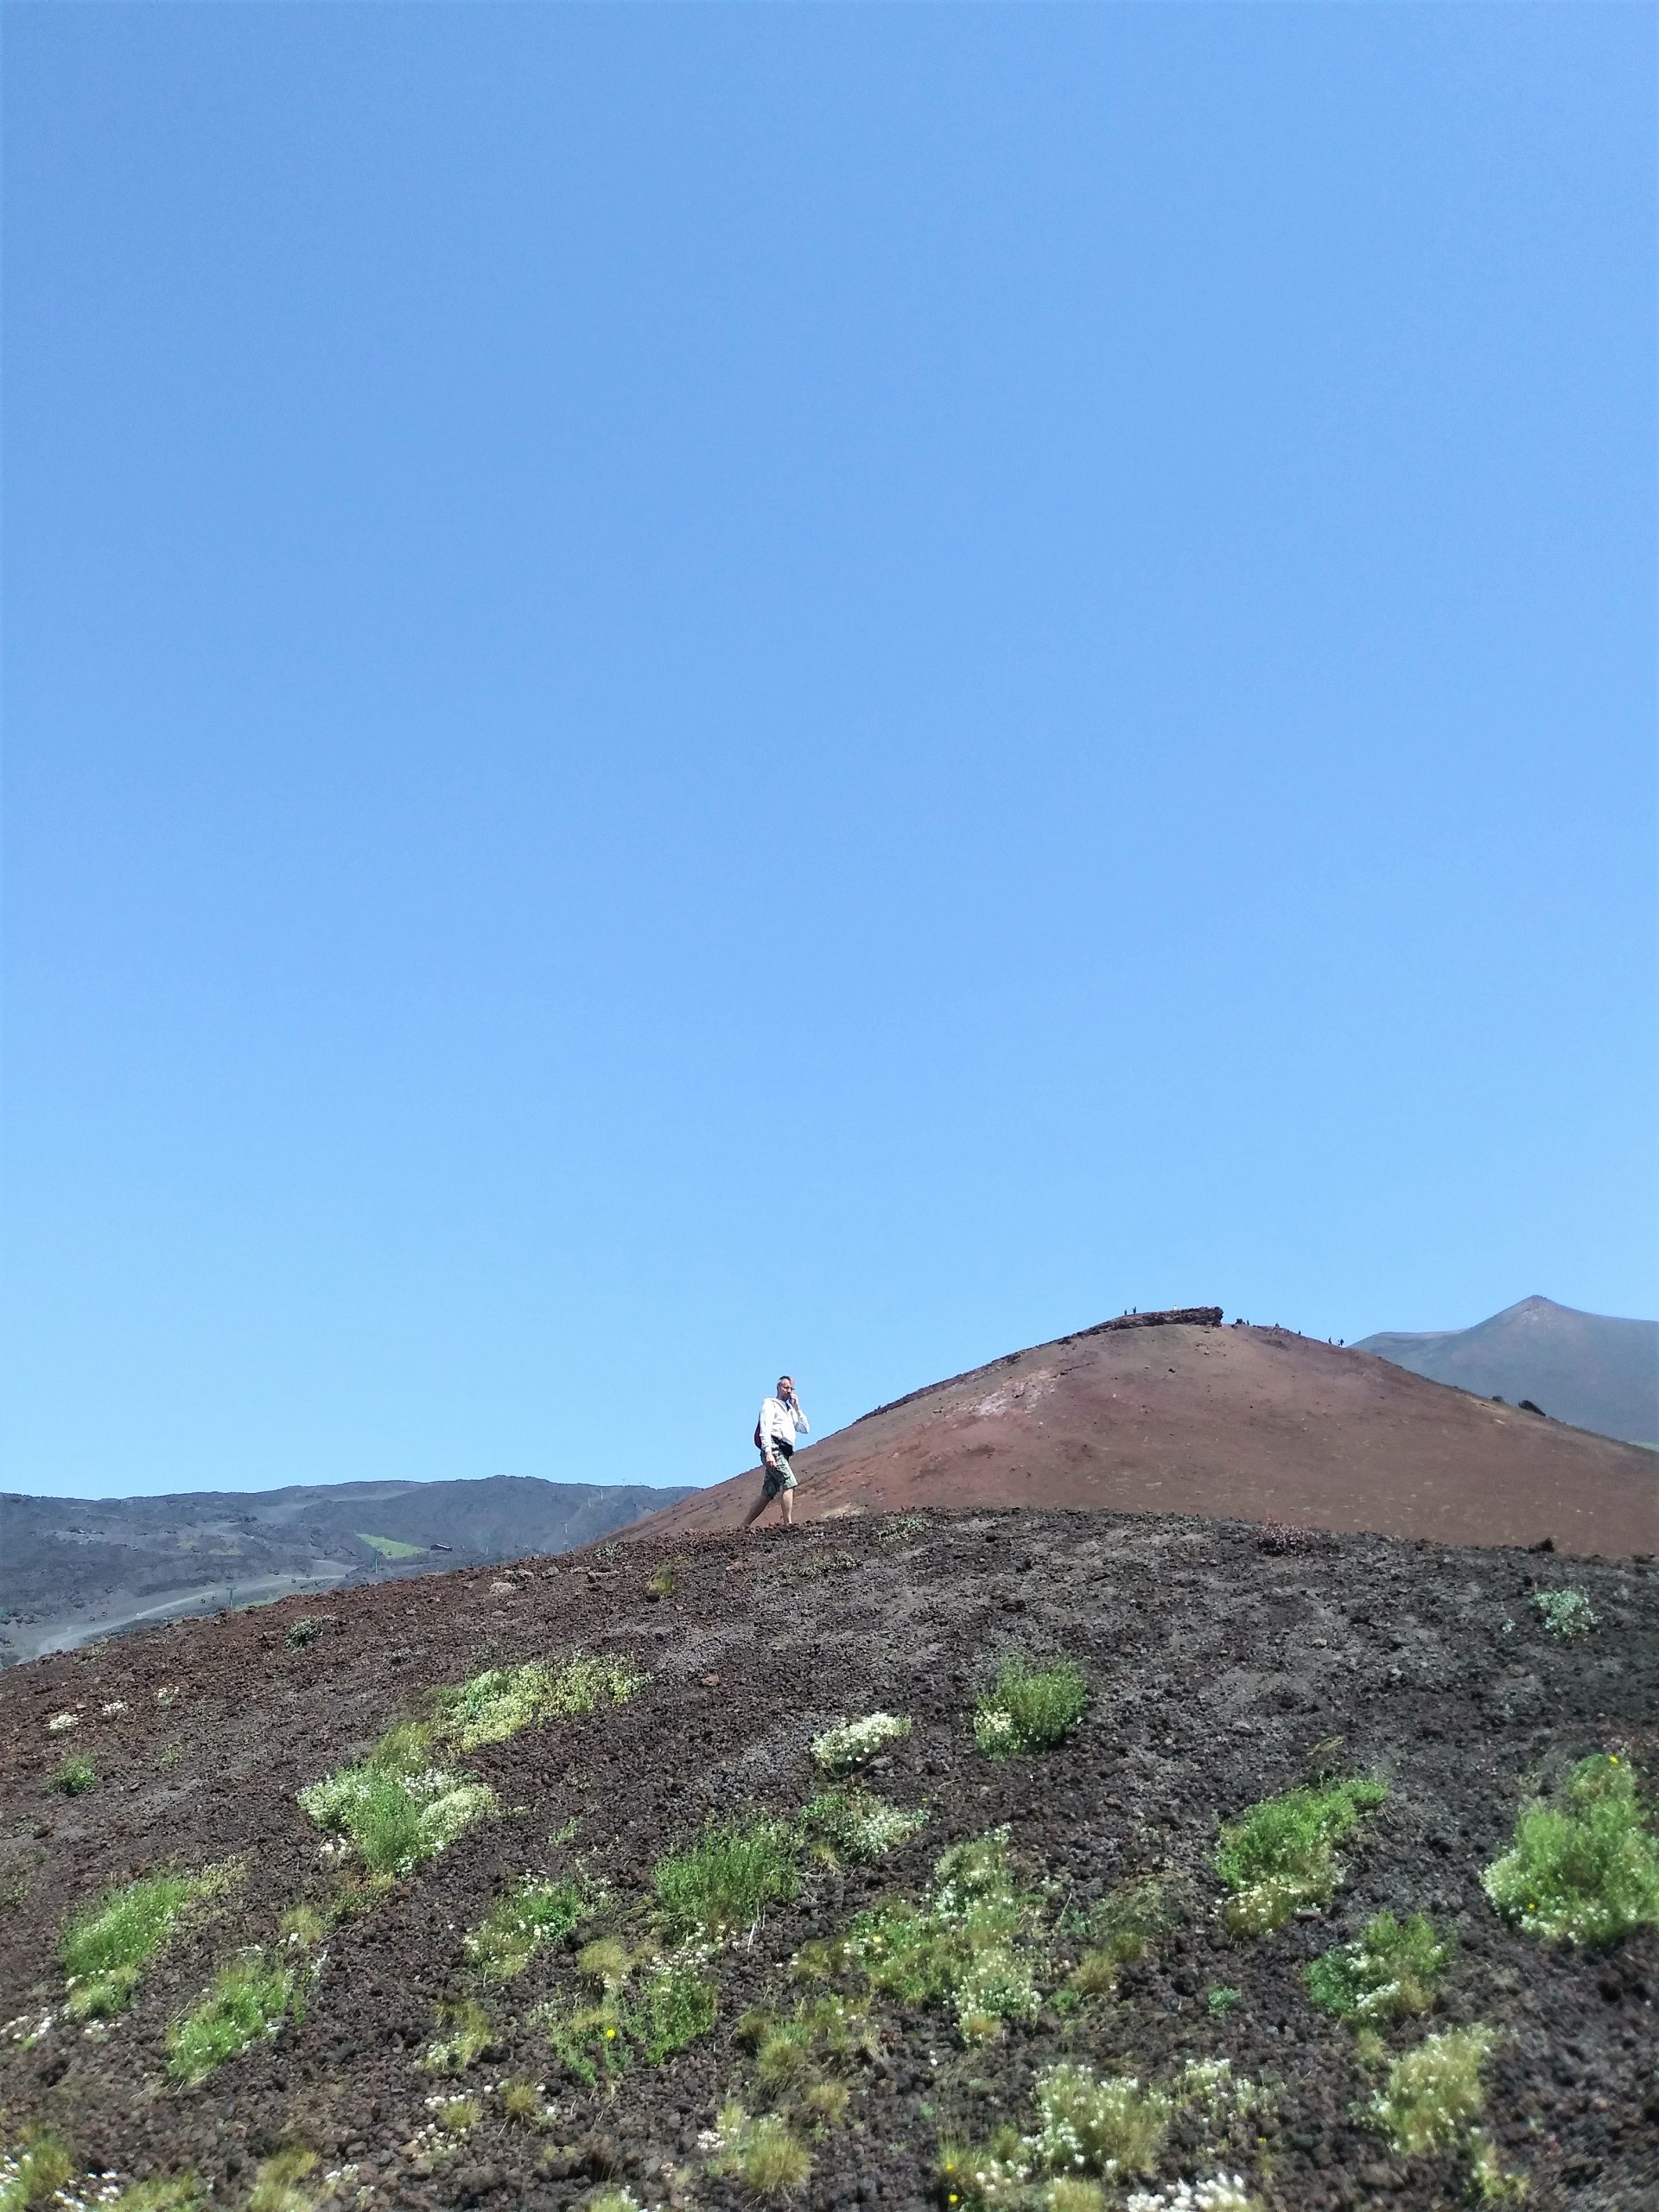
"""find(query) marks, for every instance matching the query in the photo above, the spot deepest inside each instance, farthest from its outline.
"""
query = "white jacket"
(779, 1422)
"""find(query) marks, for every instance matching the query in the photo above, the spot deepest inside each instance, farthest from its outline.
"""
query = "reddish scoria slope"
(1235, 1423)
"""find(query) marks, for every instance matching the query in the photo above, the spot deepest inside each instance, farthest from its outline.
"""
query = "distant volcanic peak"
(1598, 1372)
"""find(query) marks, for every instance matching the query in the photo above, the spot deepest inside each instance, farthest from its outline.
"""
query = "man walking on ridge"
(774, 1434)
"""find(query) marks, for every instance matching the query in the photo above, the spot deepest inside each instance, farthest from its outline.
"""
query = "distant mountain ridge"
(75, 1568)
(1596, 1370)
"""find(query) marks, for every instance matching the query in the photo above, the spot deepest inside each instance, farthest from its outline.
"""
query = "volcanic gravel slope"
(1238, 1422)
(1224, 1662)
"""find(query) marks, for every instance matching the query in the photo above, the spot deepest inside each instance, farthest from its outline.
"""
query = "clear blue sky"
(698, 687)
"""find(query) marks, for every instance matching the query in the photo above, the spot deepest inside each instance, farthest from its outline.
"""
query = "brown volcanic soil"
(1258, 1424)
(1218, 1660)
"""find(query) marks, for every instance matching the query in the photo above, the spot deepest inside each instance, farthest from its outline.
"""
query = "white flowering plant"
(397, 1820)
(971, 1944)
(839, 1750)
(1112, 2130)
(853, 1823)
(1221, 2193)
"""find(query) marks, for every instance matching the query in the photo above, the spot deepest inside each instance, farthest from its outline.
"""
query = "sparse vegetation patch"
(279, 2183)
(75, 1779)
(397, 1813)
(472, 2037)
(1030, 1708)
(531, 1914)
(105, 1949)
(765, 2154)
(673, 2002)
(850, 1823)
(1392, 1969)
(1280, 1855)
(1434, 2092)
(721, 1885)
(1586, 1869)
(1121, 1931)
(1221, 2193)
(165, 2193)
(1094, 2129)
(800, 2057)
(35, 2171)
(971, 1944)
(251, 1997)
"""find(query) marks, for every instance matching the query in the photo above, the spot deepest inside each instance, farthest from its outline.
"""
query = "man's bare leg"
(787, 1500)
(759, 1507)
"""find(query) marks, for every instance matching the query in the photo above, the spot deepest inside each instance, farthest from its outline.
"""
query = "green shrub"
(304, 1631)
(1566, 1614)
(794, 2055)
(105, 1949)
(33, 2174)
(517, 1925)
(279, 2183)
(1434, 2092)
(1123, 1928)
(502, 1701)
(850, 1822)
(75, 1777)
(587, 2039)
(1280, 1855)
(494, 1706)
(723, 1884)
(169, 2193)
(673, 2006)
(1030, 1709)
(1223, 1999)
(251, 1997)
(521, 2102)
(765, 2154)
(1585, 1869)
(396, 1811)
(1390, 1971)
(969, 1944)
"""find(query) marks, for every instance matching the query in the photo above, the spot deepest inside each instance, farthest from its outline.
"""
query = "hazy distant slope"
(1592, 1369)
(72, 1569)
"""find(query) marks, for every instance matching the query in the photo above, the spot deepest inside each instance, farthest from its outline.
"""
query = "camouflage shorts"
(779, 1478)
